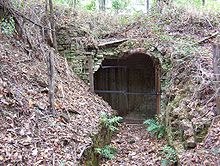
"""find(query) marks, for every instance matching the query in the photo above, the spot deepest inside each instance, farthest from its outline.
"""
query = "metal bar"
(112, 67)
(136, 93)
(126, 93)
(109, 91)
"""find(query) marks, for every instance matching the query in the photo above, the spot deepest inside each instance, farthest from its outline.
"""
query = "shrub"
(155, 127)
(110, 122)
(107, 152)
(169, 155)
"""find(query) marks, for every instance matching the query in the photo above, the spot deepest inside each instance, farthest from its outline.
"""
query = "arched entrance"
(131, 85)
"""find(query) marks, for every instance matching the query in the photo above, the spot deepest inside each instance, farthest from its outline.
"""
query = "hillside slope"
(29, 133)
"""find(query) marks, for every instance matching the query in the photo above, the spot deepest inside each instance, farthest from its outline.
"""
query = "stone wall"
(72, 44)
(76, 46)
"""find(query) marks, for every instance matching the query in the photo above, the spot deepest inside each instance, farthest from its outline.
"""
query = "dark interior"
(129, 86)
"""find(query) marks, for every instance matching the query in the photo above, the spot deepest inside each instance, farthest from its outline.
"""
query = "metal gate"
(132, 90)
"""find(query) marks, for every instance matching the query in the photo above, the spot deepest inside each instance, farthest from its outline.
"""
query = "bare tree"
(102, 4)
(51, 61)
(74, 3)
(147, 5)
(51, 81)
(52, 23)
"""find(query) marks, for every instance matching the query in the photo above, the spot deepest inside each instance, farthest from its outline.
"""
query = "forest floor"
(30, 135)
(135, 146)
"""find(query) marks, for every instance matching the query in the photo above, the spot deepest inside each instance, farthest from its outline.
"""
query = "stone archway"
(131, 85)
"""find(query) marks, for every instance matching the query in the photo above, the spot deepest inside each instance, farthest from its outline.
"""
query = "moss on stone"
(99, 140)
(202, 134)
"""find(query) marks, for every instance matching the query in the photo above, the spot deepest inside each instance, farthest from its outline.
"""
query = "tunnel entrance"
(131, 85)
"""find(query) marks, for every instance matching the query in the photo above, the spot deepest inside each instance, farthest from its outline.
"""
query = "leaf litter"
(29, 133)
(135, 147)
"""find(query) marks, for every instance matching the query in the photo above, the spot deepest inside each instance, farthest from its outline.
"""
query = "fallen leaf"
(1, 158)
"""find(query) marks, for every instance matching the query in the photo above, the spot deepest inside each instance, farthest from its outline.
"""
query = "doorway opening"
(131, 85)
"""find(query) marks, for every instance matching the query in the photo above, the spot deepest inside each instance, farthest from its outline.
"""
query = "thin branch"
(207, 38)
(15, 12)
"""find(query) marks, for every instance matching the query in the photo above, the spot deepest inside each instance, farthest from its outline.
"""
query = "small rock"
(190, 143)
(34, 152)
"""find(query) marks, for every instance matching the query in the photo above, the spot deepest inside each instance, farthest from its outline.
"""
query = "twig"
(83, 150)
(207, 38)
(215, 94)
(15, 12)
(53, 159)
(209, 22)
(213, 121)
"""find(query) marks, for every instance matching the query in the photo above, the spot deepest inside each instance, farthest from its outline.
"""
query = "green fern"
(107, 152)
(155, 127)
(110, 122)
(169, 156)
(8, 26)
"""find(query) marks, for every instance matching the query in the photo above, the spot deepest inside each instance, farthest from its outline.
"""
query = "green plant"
(124, 20)
(107, 151)
(65, 2)
(210, 5)
(155, 127)
(169, 155)
(8, 26)
(110, 122)
(17, 4)
(119, 4)
(91, 6)
(166, 37)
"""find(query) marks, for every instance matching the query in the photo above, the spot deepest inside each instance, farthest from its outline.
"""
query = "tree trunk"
(74, 3)
(51, 74)
(46, 6)
(216, 68)
(102, 5)
(147, 5)
(51, 62)
(52, 23)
